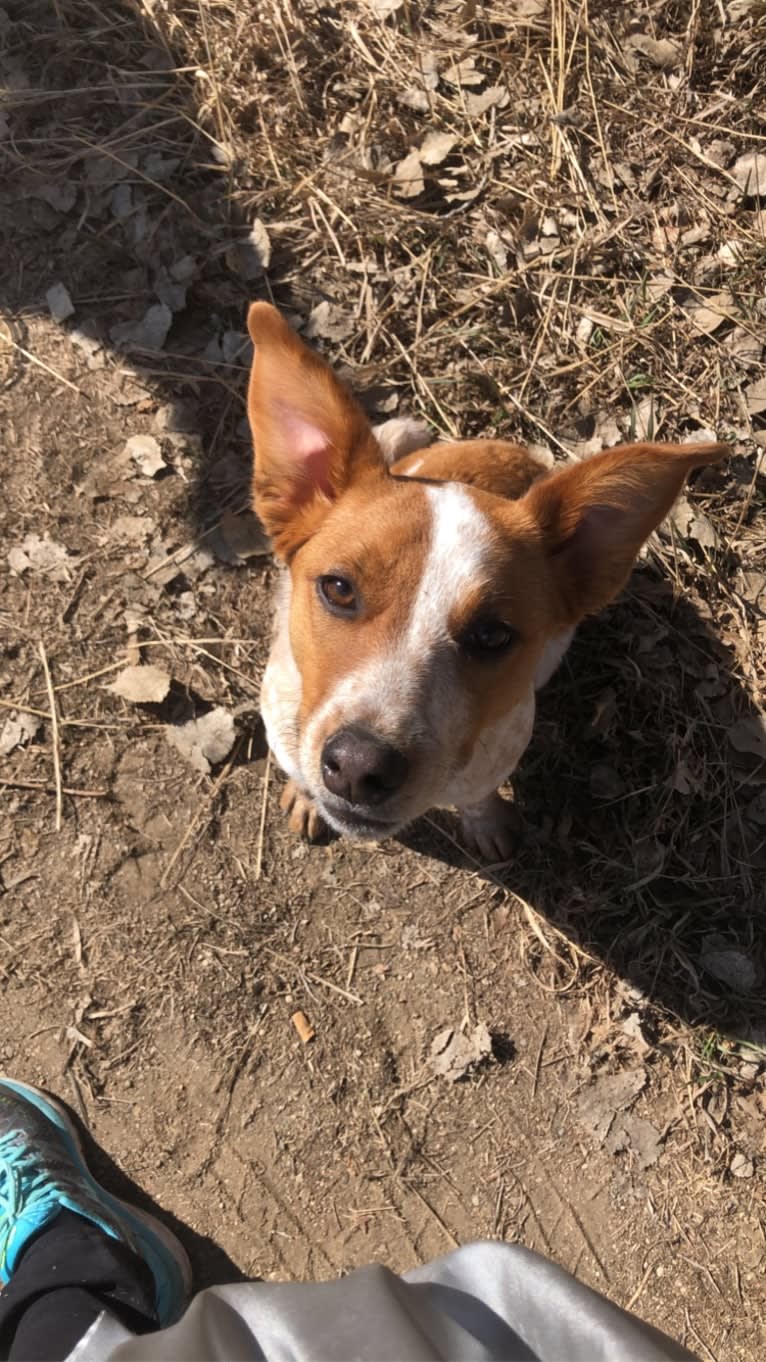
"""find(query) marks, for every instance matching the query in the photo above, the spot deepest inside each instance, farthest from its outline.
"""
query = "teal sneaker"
(43, 1172)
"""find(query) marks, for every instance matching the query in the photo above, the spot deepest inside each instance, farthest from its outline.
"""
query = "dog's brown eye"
(488, 638)
(338, 594)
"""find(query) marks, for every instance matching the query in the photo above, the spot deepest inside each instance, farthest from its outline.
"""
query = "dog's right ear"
(310, 437)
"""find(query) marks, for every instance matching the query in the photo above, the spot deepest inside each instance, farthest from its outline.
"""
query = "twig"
(51, 789)
(262, 821)
(54, 736)
(42, 365)
(207, 801)
(434, 1214)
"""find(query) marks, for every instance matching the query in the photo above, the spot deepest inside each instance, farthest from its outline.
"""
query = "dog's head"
(421, 608)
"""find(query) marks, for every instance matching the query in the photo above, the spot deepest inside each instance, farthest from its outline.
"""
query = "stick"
(42, 365)
(262, 823)
(54, 736)
(51, 789)
(211, 794)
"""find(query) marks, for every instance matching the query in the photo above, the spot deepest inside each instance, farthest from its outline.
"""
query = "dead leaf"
(415, 98)
(89, 344)
(660, 284)
(728, 965)
(605, 782)
(61, 196)
(408, 177)
(750, 174)
(146, 454)
(683, 779)
(436, 147)
(494, 97)
(741, 1166)
(141, 685)
(600, 1102)
(749, 735)
(244, 534)
(454, 1055)
(604, 712)
(252, 257)
(691, 523)
(660, 52)
(632, 1027)
(330, 322)
(707, 316)
(755, 397)
(60, 304)
(646, 420)
(756, 810)
(464, 73)
(384, 8)
(150, 333)
(206, 741)
(637, 1135)
(132, 529)
(41, 555)
(18, 729)
(260, 242)
(745, 347)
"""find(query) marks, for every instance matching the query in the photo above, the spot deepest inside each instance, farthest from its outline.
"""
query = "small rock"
(60, 304)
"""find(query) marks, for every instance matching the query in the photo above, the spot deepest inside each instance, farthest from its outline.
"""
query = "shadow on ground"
(117, 186)
(633, 842)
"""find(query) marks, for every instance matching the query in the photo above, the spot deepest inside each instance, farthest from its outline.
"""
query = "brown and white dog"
(425, 598)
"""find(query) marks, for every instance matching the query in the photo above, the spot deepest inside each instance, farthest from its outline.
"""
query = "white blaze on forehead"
(456, 561)
(410, 687)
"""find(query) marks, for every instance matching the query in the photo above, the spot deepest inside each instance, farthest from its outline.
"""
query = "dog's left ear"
(310, 436)
(593, 517)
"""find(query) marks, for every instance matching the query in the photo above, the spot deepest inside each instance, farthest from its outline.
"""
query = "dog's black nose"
(361, 768)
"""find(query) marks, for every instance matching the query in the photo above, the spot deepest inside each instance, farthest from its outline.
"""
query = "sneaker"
(43, 1171)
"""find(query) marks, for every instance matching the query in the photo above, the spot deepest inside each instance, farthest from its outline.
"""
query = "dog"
(425, 594)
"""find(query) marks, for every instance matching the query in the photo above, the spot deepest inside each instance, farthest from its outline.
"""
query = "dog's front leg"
(491, 826)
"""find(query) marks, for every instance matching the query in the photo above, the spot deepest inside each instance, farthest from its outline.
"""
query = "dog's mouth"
(353, 821)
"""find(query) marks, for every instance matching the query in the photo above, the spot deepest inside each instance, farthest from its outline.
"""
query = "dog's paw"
(490, 828)
(303, 817)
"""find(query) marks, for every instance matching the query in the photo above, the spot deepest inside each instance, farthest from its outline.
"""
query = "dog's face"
(418, 612)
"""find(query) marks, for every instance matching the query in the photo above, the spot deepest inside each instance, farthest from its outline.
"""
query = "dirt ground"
(583, 262)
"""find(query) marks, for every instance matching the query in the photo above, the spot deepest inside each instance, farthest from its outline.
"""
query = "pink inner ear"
(309, 447)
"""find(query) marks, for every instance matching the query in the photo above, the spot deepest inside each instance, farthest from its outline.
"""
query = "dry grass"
(545, 283)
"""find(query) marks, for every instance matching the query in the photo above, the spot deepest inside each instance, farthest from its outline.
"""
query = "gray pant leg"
(487, 1301)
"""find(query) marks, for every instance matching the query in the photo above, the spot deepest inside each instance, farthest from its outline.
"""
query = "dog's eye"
(337, 593)
(488, 638)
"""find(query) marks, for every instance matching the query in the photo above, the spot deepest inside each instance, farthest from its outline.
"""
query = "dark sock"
(67, 1275)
